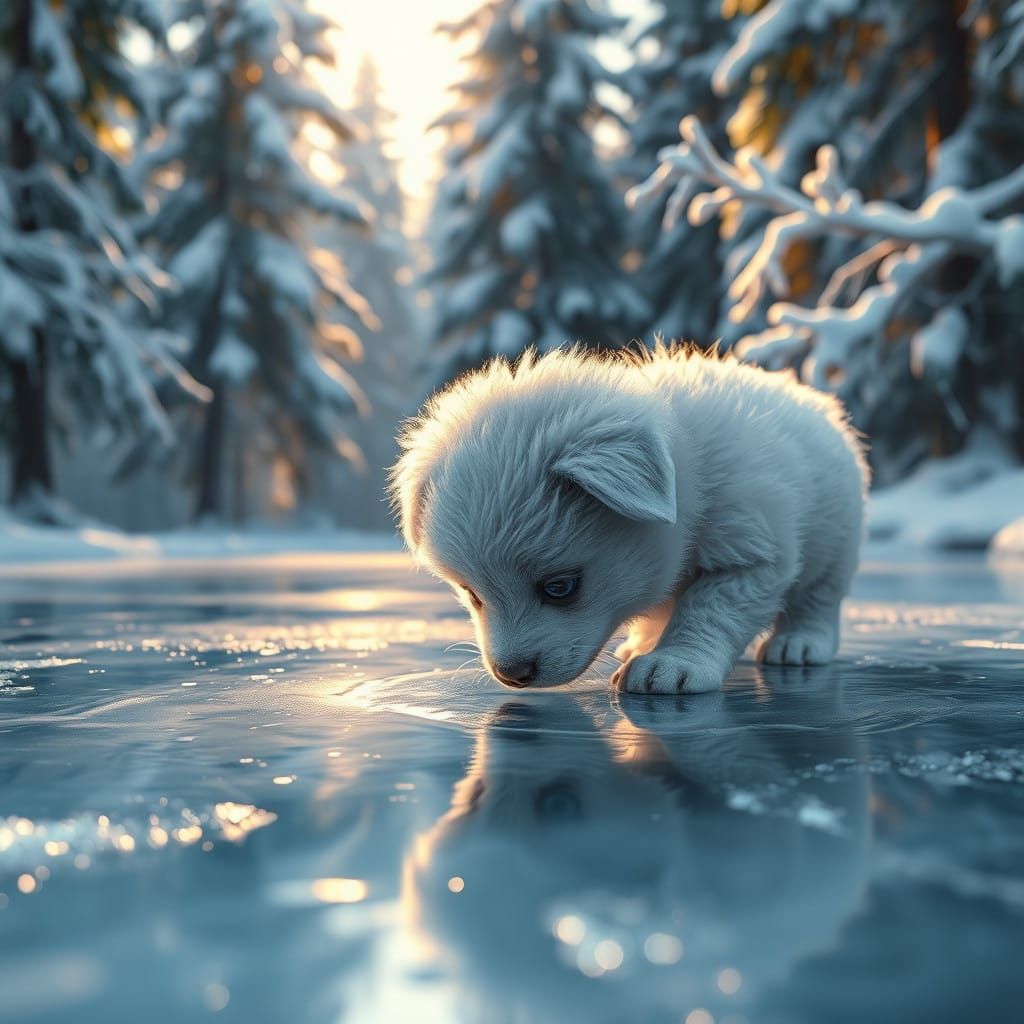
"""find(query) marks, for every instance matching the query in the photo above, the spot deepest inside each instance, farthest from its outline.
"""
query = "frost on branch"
(901, 247)
(767, 32)
(677, 52)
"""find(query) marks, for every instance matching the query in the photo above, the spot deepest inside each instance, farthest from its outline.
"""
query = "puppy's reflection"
(623, 873)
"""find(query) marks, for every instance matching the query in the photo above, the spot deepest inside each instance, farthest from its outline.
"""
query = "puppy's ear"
(626, 466)
(408, 485)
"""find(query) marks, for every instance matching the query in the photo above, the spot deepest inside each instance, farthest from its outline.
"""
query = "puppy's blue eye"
(559, 588)
(557, 801)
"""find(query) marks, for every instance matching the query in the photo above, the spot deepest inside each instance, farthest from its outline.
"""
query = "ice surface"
(284, 791)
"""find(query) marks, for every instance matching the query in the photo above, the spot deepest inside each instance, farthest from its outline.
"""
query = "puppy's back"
(771, 411)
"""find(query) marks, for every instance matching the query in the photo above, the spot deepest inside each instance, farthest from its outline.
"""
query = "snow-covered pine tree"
(69, 268)
(234, 206)
(380, 262)
(900, 245)
(527, 230)
(380, 266)
(804, 77)
(679, 266)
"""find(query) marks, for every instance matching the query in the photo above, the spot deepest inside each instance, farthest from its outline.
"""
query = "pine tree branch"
(958, 218)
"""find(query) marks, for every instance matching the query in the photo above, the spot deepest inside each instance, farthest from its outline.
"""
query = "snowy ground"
(969, 502)
(278, 793)
(957, 504)
(25, 547)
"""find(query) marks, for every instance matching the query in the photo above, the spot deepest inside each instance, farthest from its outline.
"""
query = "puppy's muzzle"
(517, 674)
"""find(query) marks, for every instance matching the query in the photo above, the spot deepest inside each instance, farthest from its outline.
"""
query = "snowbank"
(1010, 540)
(955, 504)
(24, 545)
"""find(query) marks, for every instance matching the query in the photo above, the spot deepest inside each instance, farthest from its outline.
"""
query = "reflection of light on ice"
(729, 981)
(365, 644)
(663, 949)
(814, 814)
(215, 997)
(188, 835)
(339, 890)
(358, 600)
(993, 645)
(699, 1016)
(594, 956)
(77, 840)
(588, 966)
(608, 955)
(237, 820)
(570, 929)
(601, 958)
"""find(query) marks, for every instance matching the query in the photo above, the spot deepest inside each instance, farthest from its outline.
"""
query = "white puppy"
(699, 500)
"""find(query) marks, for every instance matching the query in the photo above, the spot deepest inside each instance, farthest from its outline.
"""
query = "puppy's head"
(544, 494)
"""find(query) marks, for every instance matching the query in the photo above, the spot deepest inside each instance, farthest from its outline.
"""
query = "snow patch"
(1010, 540)
(25, 546)
(957, 503)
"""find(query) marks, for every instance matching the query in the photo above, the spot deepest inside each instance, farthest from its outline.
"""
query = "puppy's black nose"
(517, 673)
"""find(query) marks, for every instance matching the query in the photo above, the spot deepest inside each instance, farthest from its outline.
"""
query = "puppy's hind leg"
(806, 631)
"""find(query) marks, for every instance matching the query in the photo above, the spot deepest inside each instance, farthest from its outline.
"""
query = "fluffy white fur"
(702, 499)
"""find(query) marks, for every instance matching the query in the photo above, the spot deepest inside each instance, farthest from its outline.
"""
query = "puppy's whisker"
(604, 657)
(467, 645)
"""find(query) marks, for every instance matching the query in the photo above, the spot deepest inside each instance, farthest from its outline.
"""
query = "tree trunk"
(952, 100)
(952, 91)
(30, 465)
(211, 453)
(31, 471)
(210, 502)
(211, 457)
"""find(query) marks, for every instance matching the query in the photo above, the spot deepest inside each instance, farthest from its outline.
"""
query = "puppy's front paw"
(671, 670)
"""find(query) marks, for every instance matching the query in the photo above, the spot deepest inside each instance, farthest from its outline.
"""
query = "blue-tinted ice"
(271, 794)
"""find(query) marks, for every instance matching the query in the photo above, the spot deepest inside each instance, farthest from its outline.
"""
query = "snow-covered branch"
(961, 219)
(906, 246)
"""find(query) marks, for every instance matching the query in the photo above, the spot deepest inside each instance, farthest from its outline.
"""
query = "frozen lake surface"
(268, 793)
